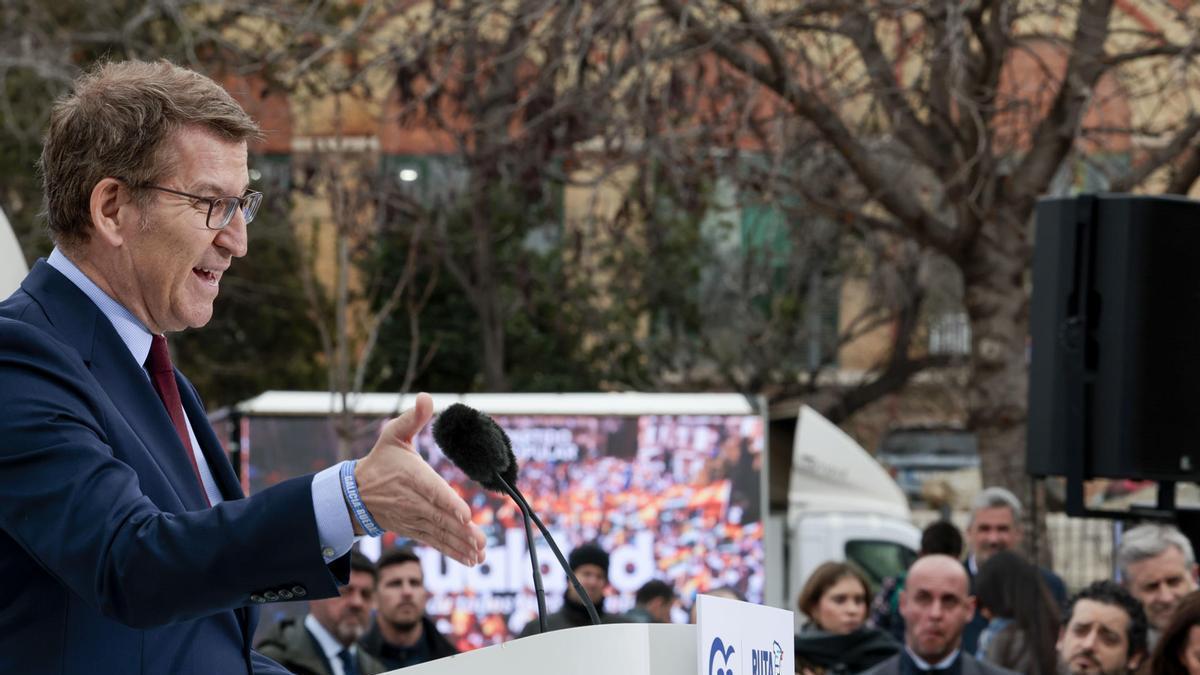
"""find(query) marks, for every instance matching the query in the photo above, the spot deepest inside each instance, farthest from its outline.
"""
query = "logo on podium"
(740, 638)
(719, 649)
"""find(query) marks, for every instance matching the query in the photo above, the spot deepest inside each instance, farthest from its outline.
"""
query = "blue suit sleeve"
(70, 496)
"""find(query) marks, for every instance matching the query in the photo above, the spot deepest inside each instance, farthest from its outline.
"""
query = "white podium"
(607, 649)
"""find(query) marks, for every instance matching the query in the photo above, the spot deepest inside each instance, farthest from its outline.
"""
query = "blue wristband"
(350, 490)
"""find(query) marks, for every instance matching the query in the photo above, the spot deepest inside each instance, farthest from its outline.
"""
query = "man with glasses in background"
(128, 543)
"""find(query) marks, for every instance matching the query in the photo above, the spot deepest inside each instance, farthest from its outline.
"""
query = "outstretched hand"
(406, 496)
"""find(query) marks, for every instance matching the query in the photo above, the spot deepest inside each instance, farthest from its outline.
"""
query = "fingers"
(463, 541)
(468, 550)
(413, 500)
(452, 516)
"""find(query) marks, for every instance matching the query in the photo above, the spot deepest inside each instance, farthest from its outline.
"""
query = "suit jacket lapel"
(210, 445)
(80, 324)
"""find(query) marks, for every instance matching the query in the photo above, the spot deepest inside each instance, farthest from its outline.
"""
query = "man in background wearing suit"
(128, 543)
(936, 606)
(324, 641)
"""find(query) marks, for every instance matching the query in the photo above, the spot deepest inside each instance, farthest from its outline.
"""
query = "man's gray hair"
(1150, 540)
(995, 497)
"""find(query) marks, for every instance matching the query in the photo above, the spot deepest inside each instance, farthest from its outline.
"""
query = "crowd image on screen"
(676, 498)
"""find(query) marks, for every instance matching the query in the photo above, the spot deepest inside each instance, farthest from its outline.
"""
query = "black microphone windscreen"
(509, 474)
(477, 445)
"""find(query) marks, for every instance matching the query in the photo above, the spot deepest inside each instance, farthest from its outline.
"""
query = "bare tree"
(989, 103)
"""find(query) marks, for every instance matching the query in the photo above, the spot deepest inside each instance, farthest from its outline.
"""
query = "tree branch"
(890, 191)
(1185, 138)
(1187, 173)
(925, 143)
(1056, 133)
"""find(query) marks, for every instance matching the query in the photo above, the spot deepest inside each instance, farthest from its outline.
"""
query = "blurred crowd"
(970, 603)
(974, 604)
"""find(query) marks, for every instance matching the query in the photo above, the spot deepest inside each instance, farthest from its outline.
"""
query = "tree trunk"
(997, 304)
(489, 302)
(492, 330)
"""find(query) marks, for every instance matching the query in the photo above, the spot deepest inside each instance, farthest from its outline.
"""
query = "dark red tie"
(163, 377)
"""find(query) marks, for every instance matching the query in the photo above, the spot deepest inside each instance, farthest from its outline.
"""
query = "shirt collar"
(329, 644)
(925, 665)
(132, 331)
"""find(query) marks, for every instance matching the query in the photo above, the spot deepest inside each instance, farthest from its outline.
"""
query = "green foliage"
(26, 104)
(543, 333)
(711, 287)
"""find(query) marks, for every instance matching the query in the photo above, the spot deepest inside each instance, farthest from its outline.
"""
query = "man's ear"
(970, 605)
(1134, 661)
(108, 198)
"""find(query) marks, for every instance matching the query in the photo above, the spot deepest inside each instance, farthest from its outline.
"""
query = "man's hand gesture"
(406, 496)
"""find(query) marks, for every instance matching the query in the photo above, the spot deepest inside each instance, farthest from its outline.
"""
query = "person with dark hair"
(943, 537)
(1104, 632)
(836, 640)
(940, 536)
(402, 635)
(1178, 648)
(995, 526)
(936, 605)
(589, 562)
(652, 603)
(136, 549)
(1022, 616)
(324, 641)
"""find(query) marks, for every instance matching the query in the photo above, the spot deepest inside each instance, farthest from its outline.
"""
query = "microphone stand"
(533, 558)
(528, 511)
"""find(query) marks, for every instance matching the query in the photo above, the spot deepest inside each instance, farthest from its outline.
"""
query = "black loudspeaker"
(1115, 338)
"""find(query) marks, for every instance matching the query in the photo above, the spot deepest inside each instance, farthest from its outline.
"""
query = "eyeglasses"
(222, 207)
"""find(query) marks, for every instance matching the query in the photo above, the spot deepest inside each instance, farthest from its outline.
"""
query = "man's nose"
(1089, 641)
(235, 237)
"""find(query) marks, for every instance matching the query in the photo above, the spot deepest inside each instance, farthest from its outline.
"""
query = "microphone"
(478, 446)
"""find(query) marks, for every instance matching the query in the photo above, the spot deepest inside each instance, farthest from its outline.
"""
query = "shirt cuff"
(334, 529)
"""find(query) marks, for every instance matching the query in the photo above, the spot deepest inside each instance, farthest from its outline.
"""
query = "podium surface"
(621, 649)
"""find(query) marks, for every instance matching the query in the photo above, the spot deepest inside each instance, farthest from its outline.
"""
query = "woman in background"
(836, 639)
(1023, 619)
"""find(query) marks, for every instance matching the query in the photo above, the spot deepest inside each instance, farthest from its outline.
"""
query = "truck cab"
(842, 506)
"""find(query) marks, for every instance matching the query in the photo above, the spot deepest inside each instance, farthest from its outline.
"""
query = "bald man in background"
(936, 605)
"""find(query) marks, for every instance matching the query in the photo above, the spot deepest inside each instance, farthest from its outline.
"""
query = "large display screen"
(673, 497)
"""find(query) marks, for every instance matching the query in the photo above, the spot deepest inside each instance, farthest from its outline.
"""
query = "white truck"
(842, 505)
(12, 261)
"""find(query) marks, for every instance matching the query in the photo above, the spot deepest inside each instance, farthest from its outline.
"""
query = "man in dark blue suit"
(126, 544)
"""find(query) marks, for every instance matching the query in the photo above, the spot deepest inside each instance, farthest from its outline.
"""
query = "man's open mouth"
(211, 277)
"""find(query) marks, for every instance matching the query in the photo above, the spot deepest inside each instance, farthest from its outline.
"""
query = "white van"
(12, 261)
(842, 506)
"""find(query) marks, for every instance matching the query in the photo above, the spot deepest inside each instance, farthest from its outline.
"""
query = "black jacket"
(841, 654)
(964, 665)
(433, 645)
(572, 615)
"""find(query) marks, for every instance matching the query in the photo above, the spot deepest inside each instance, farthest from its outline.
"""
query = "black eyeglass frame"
(247, 203)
